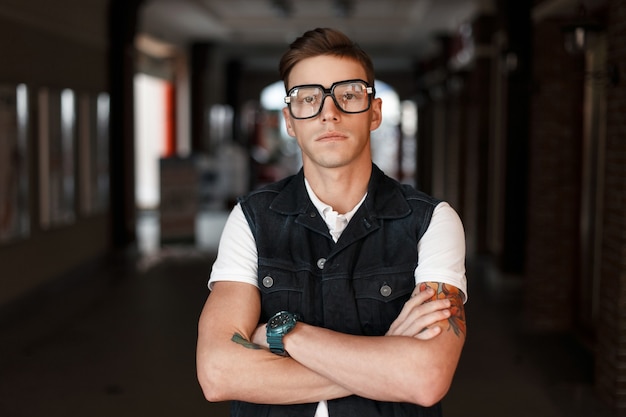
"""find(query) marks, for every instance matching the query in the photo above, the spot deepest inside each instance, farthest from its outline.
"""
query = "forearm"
(230, 368)
(389, 368)
(414, 362)
(261, 377)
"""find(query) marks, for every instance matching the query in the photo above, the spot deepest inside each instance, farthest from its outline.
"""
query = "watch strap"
(275, 343)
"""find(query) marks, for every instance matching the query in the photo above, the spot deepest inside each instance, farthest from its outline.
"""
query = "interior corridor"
(118, 339)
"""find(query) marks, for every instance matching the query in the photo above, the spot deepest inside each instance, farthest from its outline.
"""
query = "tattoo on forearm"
(456, 321)
(239, 339)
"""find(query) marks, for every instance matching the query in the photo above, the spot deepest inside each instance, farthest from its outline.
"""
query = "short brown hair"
(324, 41)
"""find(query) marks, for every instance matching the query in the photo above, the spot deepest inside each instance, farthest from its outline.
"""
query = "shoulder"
(413, 194)
(446, 215)
(264, 197)
(409, 193)
(267, 190)
(272, 202)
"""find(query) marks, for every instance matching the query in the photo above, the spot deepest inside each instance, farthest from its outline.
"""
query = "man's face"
(332, 138)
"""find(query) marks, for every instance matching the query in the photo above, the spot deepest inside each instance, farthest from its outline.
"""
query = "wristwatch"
(278, 326)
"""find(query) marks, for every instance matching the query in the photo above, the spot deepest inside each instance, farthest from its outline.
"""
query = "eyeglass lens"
(350, 97)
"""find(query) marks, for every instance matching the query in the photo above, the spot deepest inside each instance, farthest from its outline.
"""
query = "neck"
(341, 188)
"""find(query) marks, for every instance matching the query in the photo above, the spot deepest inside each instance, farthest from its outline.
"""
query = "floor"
(117, 338)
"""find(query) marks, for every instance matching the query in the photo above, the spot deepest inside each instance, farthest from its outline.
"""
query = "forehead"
(325, 70)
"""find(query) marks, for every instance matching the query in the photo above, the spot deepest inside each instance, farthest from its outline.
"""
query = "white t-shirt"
(440, 260)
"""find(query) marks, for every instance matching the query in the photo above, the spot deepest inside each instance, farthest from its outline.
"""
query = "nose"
(330, 111)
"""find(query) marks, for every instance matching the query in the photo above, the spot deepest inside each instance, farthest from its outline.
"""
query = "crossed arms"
(414, 362)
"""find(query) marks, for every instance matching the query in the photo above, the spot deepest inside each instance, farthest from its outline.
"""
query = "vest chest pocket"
(380, 298)
(281, 290)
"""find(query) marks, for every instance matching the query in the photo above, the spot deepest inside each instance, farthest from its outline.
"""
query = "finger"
(411, 316)
(420, 317)
(422, 296)
(412, 310)
(259, 335)
(431, 320)
(417, 298)
(428, 333)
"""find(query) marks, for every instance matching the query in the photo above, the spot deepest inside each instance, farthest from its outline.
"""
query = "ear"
(288, 125)
(377, 113)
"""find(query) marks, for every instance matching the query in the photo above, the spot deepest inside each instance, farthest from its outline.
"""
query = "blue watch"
(278, 326)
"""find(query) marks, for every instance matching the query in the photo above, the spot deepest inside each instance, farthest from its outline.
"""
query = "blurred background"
(129, 127)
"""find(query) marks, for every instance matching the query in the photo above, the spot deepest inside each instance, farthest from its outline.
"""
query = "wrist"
(278, 326)
(293, 334)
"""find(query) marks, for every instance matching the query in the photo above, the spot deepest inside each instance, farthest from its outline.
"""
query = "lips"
(328, 136)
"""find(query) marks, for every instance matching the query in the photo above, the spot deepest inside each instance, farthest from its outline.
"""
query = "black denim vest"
(356, 286)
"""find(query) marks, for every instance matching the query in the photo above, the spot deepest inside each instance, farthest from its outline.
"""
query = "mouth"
(331, 136)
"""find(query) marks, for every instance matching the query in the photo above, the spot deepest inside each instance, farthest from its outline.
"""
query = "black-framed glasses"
(350, 96)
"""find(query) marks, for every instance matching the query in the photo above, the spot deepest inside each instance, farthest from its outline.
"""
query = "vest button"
(321, 262)
(268, 281)
(385, 290)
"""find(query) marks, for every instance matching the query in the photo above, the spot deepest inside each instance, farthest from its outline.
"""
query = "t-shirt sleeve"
(237, 254)
(441, 250)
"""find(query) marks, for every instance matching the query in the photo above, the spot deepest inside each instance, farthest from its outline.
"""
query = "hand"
(259, 336)
(420, 315)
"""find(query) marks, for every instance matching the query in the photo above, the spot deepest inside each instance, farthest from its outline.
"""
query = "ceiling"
(394, 32)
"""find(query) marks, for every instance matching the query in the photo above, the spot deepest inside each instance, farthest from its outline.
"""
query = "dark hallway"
(515, 116)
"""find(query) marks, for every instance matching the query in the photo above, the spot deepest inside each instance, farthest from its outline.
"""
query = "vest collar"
(384, 198)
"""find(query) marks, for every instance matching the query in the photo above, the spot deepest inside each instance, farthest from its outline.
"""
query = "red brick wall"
(554, 181)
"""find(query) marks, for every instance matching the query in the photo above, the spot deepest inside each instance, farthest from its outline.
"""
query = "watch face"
(280, 320)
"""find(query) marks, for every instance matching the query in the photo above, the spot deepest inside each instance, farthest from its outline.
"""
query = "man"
(361, 279)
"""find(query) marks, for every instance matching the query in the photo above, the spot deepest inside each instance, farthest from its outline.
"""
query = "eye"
(309, 99)
(351, 92)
